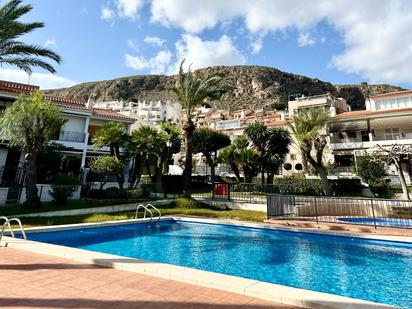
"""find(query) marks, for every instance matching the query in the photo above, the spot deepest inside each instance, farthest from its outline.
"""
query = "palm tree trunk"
(138, 169)
(235, 170)
(32, 199)
(325, 181)
(187, 173)
(270, 177)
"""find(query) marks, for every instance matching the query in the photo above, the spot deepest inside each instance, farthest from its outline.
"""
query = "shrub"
(106, 167)
(369, 171)
(380, 188)
(63, 187)
(114, 193)
(187, 203)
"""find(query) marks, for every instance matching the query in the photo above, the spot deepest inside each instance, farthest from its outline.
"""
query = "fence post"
(316, 210)
(373, 214)
(228, 191)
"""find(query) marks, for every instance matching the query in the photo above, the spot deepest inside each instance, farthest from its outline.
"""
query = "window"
(392, 134)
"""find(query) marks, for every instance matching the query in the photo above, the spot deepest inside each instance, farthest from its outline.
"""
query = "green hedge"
(293, 185)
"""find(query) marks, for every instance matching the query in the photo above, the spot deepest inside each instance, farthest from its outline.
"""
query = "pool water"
(388, 222)
(377, 271)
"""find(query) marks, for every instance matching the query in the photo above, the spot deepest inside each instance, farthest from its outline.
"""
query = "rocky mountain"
(251, 87)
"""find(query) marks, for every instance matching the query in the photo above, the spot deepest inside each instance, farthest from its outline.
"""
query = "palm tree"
(145, 143)
(113, 135)
(271, 144)
(29, 125)
(276, 149)
(14, 52)
(208, 142)
(192, 91)
(240, 155)
(307, 129)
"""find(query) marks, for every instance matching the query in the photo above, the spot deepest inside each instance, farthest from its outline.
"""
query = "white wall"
(45, 195)
(3, 156)
(3, 195)
(74, 124)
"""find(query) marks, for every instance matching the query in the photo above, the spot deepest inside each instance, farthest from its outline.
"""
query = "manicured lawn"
(12, 210)
(207, 211)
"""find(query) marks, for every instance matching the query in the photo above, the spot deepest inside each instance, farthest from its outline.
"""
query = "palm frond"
(14, 52)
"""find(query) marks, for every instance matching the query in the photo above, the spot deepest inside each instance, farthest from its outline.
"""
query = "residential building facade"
(81, 122)
(151, 113)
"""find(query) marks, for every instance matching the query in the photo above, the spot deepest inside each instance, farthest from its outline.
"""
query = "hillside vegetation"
(250, 87)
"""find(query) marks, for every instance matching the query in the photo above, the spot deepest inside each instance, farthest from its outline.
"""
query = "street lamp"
(168, 145)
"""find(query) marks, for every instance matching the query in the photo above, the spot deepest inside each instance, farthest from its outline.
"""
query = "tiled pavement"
(31, 280)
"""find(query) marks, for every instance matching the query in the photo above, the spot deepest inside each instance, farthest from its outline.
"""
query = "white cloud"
(257, 45)
(44, 80)
(154, 40)
(107, 14)
(305, 39)
(129, 8)
(376, 33)
(132, 44)
(156, 65)
(50, 42)
(207, 53)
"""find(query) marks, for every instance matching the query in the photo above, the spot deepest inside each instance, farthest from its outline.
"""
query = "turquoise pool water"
(372, 270)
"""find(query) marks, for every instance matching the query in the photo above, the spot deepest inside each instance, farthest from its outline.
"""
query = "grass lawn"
(12, 210)
(206, 211)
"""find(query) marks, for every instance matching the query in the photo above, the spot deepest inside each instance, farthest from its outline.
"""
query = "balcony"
(71, 136)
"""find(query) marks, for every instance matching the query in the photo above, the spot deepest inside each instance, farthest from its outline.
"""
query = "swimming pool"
(372, 270)
(387, 222)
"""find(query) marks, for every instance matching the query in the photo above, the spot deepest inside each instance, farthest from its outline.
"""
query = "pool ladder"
(7, 223)
(147, 209)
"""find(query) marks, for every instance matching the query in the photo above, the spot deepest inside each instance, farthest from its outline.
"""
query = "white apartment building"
(82, 121)
(151, 113)
(387, 120)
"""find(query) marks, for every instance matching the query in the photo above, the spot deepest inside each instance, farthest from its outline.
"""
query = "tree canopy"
(31, 122)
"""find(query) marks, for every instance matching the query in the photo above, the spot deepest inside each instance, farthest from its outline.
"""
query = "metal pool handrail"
(155, 209)
(7, 223)
(145, 210)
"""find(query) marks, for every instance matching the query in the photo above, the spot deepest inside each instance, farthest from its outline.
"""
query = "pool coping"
(268, 291)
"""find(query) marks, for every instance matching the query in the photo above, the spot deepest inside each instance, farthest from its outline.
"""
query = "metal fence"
(234, 192)
(374, 212)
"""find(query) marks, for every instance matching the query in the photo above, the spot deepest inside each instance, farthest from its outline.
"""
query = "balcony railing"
(71, 136)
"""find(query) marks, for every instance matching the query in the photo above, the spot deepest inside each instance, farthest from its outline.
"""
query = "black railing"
(236, 192)
(11, 175)
(361, 211)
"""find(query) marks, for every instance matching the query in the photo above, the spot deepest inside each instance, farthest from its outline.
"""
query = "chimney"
(89, 103)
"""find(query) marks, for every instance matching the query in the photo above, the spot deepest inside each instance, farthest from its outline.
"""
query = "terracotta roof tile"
(368, 113)
(17, 87)
(106, 113)
(392, 94)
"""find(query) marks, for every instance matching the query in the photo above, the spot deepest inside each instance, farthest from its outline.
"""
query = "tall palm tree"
(272, 144)
(240, 156)
(113, 135)
(307, 128)
(14, 52)
(146, 142)
(192, 91)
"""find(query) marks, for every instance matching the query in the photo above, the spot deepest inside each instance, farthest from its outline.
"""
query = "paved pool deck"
(342, 227)
(33, 280)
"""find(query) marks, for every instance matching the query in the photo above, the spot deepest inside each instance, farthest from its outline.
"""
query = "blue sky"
(341, 41)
